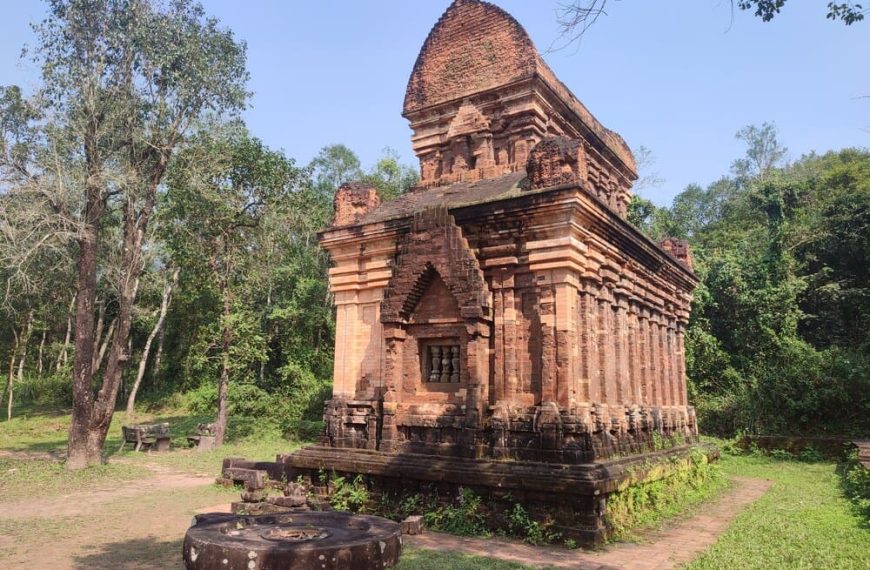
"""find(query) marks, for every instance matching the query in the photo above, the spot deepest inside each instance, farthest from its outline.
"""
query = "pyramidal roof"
(476, 46)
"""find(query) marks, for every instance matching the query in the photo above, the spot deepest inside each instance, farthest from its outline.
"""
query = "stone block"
(250, 478)
(413, 525)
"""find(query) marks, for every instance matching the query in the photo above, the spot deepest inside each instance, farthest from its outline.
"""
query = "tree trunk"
(98, 360)
(155, 368)
(158, 326)
(20, 351)
(39, 362)
(135, 225)
(11, 376)
(223, 386)
(268, 309)
(63, 355)
(25, 338)
(98, 333)
(9, 379)
(79, 452)
(93, 415)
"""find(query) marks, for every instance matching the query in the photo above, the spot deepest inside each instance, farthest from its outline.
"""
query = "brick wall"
(475, 46)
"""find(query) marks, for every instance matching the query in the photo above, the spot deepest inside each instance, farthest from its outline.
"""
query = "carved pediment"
(434, 248)
(468, 121)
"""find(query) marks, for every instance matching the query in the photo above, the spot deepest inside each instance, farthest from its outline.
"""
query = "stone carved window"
(440, 362)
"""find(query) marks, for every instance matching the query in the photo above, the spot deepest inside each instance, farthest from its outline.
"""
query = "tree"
(391, 177)
(777, 339)
(123, 83)
(333, 166)
(166, 299)
(219, 192)
(763, 152)
(577, 16)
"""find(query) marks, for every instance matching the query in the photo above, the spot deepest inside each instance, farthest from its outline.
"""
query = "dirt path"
(55, 455)
(664, 549)
(85, 502)
(128, 525)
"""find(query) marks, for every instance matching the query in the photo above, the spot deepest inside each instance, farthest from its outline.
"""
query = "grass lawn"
(37, 438)
(803, 521)
(22, 479)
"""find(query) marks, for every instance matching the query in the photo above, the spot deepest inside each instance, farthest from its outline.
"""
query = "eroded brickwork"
(353, 201)
(679, 250)
(474, 47)
(480, 99)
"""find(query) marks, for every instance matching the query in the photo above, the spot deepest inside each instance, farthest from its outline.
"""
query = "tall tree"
(333, 166)
(764, 152)
(390, 176)
(123, 82)
(219, 192)
(165, 300)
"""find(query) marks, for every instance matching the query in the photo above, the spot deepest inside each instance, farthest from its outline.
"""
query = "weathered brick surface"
(569, 324)
(353, 201)
(480, 98)
(679, 250)
(475, 46)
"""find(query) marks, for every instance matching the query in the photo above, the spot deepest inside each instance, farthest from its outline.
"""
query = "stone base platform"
(571, 499)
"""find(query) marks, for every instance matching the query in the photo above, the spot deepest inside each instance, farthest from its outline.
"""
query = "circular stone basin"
(297, 541)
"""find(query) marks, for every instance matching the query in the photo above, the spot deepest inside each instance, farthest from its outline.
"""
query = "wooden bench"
(152, 437)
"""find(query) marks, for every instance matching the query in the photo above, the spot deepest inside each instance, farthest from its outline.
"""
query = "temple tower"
(504, 309)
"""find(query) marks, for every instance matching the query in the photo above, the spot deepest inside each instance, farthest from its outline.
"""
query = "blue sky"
(678, 76)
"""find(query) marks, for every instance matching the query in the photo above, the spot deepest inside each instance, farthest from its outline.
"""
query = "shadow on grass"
(142, 553)
(419, 559)
(134, 554)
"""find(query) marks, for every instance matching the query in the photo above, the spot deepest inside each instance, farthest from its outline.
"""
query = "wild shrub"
(53, 390)
(684, 482)
(521, 525)
(348, 496)
(463, 517)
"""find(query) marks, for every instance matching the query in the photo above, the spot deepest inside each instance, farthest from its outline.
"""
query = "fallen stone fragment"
(413, 525)
(251, 478)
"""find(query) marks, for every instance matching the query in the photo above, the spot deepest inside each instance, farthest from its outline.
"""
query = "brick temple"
(502, 325)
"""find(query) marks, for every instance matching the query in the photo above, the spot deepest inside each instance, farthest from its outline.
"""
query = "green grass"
(37, 430)
(40, 431)
(141, 531)
(209, 462)
(22, 479)
(803, 521)
(416, 559)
